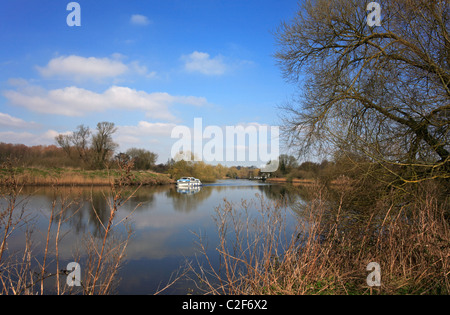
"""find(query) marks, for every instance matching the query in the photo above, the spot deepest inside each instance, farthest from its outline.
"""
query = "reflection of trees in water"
(186, 202)
(296, 197)
(91, 208)
(88, 211)
(289, 193)
(142, 198)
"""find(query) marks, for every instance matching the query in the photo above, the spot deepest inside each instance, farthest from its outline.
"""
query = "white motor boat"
(188, 182)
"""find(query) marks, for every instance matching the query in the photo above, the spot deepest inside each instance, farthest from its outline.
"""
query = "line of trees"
(39, 155)
(82, 148)
(209, 173)
(290, 168)
(179, 167)
(95, 149)
(92, 150)
(79, 157)
(77, 151)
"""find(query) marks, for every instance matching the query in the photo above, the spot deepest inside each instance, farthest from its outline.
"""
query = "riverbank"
(294, 181)
(395, 248)
(77, 177)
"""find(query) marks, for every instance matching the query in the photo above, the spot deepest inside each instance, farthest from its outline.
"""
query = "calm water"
(163, 222)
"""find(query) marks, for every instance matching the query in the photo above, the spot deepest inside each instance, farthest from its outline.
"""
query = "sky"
(148, 66)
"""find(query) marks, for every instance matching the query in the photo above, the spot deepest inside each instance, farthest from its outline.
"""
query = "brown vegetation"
(26, 273)
(76, 177)
(209, 173)
(294, 181)
(331, 247)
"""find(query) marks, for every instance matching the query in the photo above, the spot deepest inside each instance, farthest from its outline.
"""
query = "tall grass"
(329, 249)
(28, 272)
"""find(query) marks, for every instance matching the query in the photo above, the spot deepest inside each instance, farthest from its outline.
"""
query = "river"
(165, 224)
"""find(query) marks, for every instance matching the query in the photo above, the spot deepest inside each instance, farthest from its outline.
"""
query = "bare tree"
(91, 149)
(80, 139)
(382, 91)
(103, 145)
(76, 144)
(64, 141)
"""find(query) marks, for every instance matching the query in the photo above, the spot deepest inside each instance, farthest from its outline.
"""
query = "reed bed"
(329, 249)
(76, 177)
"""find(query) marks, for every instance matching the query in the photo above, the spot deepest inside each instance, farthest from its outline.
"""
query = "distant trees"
(76, 151)
(181, 168)
(39, 155)
(76, 144)
(92, 150)
(103, 145)
(142, 159)
(81, 148)
(242, 172)
(287, 163)
(95, 149)
(290, 168)
(206, 172)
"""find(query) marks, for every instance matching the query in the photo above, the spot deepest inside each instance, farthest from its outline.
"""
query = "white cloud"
(144, 132)
(91, 68)
(81, 67)
(202, 62)
(28, 138)
(145, 128)
(155, 137)
(138, 19)
(74, 101)
(142, 70)
(10, 121)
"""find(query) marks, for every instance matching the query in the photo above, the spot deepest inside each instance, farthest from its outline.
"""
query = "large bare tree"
(383, 91)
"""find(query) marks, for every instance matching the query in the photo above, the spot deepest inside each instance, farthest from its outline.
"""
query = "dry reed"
(329, 249)
(74, 177)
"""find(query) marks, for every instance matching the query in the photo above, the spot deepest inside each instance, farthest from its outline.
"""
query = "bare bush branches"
(29, 272)
(327, 253)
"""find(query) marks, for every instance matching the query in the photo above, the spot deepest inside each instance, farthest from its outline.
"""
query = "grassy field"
(78, 177)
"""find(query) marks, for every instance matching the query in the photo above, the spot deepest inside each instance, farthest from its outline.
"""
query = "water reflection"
(189, 190)
(163, 220)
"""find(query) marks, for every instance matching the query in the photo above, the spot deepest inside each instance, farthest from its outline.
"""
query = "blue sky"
(147, 66)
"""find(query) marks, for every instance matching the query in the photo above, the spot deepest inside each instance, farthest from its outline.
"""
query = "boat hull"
(188, 184)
